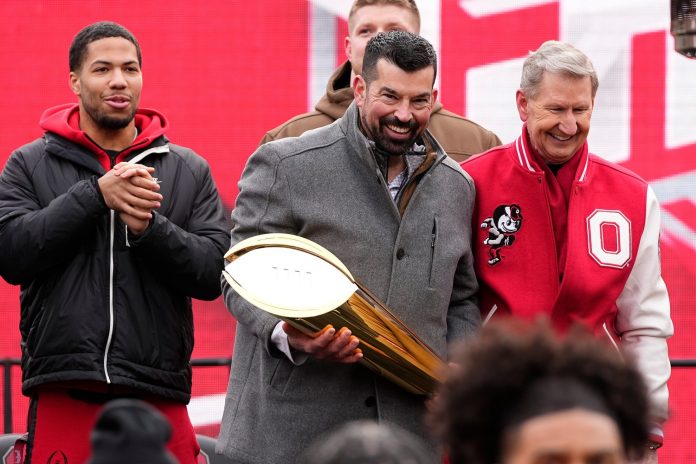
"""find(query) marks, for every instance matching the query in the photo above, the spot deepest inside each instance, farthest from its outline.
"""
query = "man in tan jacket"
(459, 136)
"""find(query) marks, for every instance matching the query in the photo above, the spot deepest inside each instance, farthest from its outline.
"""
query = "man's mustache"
(394, 121)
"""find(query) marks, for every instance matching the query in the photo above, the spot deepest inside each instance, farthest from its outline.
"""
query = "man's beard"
(388, 144)
(109, 122)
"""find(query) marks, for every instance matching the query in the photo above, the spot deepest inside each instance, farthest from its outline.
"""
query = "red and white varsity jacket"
(612, 280)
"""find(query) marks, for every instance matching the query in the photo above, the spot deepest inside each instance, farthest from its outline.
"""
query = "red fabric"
(558, 187)
(60, 431)
(18, 451)
(64, 120)
(525, 283)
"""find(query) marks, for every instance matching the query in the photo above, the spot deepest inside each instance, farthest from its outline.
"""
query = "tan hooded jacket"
(460, 137)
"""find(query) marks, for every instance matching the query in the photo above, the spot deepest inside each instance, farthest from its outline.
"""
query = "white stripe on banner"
(479, 8)
(206, 410)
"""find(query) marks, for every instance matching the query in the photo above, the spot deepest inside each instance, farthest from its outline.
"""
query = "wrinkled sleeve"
(264, 205)
(643, 320)
(464, 317)
(190, 258)
(36, 237)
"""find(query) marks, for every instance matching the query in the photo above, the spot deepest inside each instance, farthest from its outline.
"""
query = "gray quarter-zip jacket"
(326, 186)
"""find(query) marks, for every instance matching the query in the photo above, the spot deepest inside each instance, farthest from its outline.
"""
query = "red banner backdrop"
(225, 72)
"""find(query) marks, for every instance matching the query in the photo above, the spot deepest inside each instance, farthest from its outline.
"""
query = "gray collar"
(365, 149)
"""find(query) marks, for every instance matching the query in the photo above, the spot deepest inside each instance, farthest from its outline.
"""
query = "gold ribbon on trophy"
(307, 286)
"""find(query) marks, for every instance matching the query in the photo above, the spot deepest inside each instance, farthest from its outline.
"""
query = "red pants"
(60, 428)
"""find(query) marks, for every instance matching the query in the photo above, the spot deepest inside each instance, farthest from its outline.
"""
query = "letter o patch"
(609, 238)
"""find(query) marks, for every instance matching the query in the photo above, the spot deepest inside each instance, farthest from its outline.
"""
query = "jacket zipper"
(433, 237)
(112, 239)
(112, 229)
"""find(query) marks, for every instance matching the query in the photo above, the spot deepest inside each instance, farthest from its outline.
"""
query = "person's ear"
(74, 82)
(359, 90)
(522, 103)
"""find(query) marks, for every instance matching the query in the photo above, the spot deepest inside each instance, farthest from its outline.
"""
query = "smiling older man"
(565, 234)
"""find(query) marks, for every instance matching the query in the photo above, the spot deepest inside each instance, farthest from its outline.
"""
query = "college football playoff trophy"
(307, 286)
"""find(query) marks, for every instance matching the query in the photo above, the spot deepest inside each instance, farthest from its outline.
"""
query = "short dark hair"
(513, 372)
(97, 31)
(410, 52)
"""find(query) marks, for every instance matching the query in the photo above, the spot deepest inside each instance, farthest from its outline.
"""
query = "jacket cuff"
(136, 239)
(94, 180)
(280, 340)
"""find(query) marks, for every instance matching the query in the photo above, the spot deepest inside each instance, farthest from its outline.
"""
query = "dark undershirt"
(555, 168)
(112, 155)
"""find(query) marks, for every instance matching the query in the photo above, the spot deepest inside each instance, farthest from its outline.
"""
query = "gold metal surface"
(293, 271)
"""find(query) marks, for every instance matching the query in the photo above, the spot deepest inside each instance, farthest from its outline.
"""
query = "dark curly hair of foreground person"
(512, 372)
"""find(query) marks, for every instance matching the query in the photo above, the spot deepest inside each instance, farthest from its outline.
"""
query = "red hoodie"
(64, 120)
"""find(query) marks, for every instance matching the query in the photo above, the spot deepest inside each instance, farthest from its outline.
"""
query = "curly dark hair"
(512, 372)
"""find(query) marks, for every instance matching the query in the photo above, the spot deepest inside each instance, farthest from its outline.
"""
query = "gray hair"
(558, 58)
(367, 442)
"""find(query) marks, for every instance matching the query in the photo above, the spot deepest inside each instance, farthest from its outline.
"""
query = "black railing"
(211, 362)
(683, 362)
(8, 363)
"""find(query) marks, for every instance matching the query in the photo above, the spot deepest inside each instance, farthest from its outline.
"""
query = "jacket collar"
(63, 123)
(523, 156)
(350, 126)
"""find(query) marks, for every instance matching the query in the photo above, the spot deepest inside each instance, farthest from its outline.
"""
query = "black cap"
(131, 431)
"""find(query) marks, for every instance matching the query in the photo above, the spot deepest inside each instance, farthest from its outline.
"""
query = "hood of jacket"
(64, 121)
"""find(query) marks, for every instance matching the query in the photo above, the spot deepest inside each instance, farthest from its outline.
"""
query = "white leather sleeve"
(643, 321)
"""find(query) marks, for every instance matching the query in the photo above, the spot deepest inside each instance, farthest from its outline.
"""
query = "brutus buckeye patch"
(502, 227)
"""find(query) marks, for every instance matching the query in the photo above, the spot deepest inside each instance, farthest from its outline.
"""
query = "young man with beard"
(459, 137)
(107, 257)
(375, 189)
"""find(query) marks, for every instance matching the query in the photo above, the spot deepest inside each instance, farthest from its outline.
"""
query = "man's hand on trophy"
(327, 344)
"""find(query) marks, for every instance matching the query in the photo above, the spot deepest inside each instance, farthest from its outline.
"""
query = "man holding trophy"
(376, 190)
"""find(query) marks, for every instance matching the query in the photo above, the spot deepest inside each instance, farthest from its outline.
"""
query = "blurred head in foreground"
(367, 442)
(130, 431)
(519, 394)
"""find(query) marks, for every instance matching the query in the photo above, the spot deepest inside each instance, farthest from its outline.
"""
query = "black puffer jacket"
(96, 303)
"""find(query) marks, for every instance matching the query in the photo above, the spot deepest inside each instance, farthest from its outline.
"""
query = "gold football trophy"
(307, 286)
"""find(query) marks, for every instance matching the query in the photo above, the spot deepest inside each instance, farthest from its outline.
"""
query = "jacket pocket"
(490, 314)
(281, 374)
(35, 330)
(612, 340)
